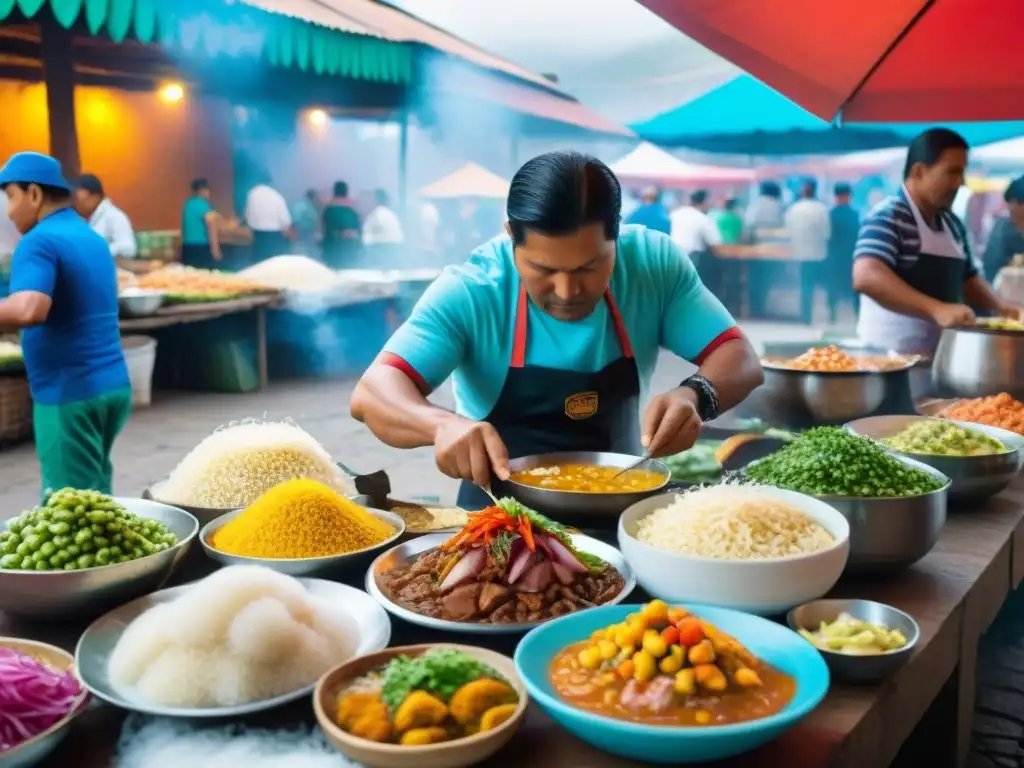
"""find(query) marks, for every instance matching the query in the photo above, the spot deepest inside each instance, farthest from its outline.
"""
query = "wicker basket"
(15, 409)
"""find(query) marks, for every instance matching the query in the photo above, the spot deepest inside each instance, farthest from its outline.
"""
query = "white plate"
(410, 550)
(97, 643)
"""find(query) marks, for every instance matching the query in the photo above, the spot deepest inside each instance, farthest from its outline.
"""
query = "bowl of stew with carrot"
(671, 684)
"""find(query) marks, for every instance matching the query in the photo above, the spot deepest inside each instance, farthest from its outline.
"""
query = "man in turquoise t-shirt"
(200, 244)
(552, 335)
(64, 297)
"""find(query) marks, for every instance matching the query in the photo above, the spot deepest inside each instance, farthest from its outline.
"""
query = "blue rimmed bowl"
(777, 645)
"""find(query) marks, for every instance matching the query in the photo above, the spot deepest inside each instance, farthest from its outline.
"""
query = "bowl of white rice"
(748, 547)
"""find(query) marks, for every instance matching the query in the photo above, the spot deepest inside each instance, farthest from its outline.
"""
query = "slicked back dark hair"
(557, 193)
(928, 147)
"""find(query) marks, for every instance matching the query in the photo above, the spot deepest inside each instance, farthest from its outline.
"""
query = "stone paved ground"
(157, 437)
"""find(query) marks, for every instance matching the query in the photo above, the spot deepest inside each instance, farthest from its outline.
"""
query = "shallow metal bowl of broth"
(586, 510)
(972, 477)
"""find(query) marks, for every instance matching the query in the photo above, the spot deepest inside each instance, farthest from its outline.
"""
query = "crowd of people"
(598, 300)
(825, 238)
(819, 236)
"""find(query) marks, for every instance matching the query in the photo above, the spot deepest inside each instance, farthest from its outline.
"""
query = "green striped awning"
(226, 27)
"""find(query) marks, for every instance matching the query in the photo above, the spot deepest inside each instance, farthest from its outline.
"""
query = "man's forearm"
(735, 370)
(980, 294)
(397, 413)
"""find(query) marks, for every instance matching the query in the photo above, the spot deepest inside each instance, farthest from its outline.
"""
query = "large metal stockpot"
(978, 362)
(793, 399)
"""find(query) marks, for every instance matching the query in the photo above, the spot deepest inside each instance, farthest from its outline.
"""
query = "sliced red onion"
(33, 697)
(469, 565)
(538, 578)
(563, 574)
(562, 555)
(518, 561)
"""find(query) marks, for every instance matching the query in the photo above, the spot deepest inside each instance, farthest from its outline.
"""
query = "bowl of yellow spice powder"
(301, 527)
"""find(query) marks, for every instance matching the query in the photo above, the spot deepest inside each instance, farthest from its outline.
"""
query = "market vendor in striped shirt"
(913, 264)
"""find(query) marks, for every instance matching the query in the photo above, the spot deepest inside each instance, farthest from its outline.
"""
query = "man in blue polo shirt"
(552, 335)
(63, 295)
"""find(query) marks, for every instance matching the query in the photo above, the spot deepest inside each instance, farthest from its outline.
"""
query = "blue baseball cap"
(33, 168)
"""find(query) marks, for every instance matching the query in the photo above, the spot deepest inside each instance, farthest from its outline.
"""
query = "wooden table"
(954, 593)
(179, 314)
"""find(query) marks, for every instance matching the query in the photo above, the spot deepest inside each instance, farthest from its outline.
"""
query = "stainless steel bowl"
(890, 534)
(38, 748)
(583, 509)
(412, 549)
(59, 594)
(203, 514)
(802, 399)
(858, 669)
(972, 477)
(140, 302)
(304, 566)
(978, 362)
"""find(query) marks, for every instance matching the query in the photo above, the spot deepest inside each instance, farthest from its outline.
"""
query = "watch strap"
(707, 396)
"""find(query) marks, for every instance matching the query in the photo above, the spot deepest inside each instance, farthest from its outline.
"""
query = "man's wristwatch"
(707, 396)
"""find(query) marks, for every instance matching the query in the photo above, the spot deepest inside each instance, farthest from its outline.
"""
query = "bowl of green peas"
(84, 552)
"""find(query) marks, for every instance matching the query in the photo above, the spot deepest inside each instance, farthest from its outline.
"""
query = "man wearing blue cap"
(63, 295)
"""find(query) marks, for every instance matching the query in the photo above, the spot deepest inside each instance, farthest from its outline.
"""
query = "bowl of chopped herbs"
(896, 506)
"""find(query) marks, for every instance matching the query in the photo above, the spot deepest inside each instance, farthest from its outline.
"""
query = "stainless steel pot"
(973, 478)
(890, 534)
(586, 510)
(978, 362)
(797, 400)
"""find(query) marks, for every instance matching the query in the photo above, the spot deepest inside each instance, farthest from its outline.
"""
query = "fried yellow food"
(420, 710)
(419, 737)
(472, 700)
(495, 716)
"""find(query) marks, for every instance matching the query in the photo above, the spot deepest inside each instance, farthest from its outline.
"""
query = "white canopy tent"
(648, 164)
(1001, 153)
(469, 181)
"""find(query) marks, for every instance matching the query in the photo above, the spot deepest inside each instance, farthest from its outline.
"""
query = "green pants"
(73, 441)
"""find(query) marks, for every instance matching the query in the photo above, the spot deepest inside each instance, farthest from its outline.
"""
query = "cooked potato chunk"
(469, 703)
(495, 716)
(419, 710)
(419, 737)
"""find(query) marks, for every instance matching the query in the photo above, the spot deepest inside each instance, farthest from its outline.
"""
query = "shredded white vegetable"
(738, 522)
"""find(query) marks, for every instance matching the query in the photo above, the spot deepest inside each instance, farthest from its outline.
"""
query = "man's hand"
(952, 315)
(671, 423)
(1011, 312)
(470, 450)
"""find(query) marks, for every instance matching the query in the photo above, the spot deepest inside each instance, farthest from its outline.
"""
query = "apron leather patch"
(582, 405)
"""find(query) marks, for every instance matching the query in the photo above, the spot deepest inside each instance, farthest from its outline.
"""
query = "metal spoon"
(487, 489)
(634, 465)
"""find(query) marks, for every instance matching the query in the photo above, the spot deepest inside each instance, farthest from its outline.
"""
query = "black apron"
(543, 410)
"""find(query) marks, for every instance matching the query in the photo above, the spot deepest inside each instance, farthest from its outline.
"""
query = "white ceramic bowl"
(764, 587)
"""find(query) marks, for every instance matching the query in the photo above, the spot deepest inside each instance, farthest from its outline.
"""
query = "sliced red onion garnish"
(537, 578)
(469, 565)
(518, 561)
(33, 697)
(563, 574)
(562, 555)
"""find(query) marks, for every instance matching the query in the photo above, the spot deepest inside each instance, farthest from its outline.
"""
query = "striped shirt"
(892, 233)
(889, 233)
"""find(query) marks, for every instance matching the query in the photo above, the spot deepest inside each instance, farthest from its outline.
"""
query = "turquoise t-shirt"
(463, 326)
(193, 221)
